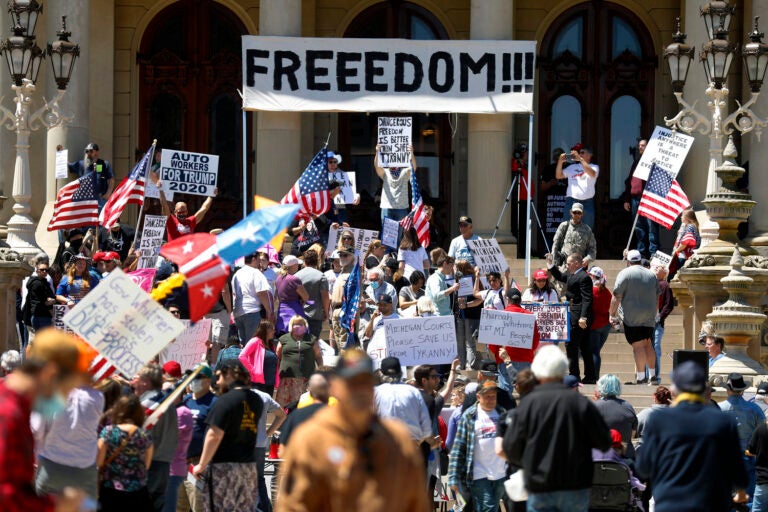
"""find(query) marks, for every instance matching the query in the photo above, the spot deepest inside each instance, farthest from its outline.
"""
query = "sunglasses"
(577, 213)
(333, 161)
(174, 312)
(42, 270)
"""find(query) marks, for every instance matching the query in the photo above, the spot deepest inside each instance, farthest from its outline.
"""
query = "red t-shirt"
(601, 303)
(518, 355)
(174, 228)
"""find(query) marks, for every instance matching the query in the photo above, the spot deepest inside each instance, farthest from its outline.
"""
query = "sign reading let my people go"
(123, 323)
(387, 75)
(506, 328)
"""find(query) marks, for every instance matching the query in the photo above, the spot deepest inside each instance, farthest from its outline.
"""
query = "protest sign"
(661, 259)
(553, 320)
(151, 190)
(189, 347)
(363, 238)
(151, 240)
(389, 235)
(123, 323)
(189, 173)
(59, 310)
(143, 277)
(466, 286)
(553, 214)
(394, 137)
(62, 161)
(377, 348)
(348, 181)
(488, 255)
(506, 328)
(424, 340)
(387, 75)
(667, 149)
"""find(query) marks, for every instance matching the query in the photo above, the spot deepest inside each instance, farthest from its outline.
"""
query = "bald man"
(179, 223)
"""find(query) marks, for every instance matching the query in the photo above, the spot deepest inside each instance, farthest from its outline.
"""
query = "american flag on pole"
(417, 218)
(349, 306)
(130, 190)
(101, 368)
(663, 200)
(311, 192)
(76, 204)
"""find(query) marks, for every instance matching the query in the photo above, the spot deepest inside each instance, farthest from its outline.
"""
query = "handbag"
(515, 486)
(443, 461)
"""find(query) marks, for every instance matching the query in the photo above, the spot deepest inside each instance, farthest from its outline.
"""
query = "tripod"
(533, 209)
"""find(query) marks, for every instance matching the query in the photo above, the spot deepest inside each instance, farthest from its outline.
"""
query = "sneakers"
(639, 382)
(656, 381)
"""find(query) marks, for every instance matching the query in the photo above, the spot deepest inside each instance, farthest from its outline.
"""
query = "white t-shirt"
(459, 249)
(394, 191)
(330, 276)
(492, 299)
(246, 284)
(580, 184)
(486, 463)
(529, 295)
(413, 259)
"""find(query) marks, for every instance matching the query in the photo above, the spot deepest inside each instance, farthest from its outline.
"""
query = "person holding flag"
(130, 190)
(417, 218)
(311, 191)
(342, 309)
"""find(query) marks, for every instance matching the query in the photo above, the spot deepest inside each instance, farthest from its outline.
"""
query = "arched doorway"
(189, 73)
(597, 67)
(431, 132)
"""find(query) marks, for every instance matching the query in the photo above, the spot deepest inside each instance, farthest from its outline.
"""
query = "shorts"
(635, 334)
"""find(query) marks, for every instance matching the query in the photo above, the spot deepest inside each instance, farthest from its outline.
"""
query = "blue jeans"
(645, 228)
(465, 342)
(658, 333)
(749, 465)
(589, 210)
(246, 326)
(264, 504)
(486, 494)
(559, 501)
(38, 322)
(597, 339)
(760, 500)
(172, 493)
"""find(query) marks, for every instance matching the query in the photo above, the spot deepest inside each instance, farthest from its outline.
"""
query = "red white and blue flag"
(663, 200)
(311, 192)
(417, 218)
(76, 204)
(130, 190)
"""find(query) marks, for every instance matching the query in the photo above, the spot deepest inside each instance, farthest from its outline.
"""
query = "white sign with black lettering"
(389, 235)
(59, 310)
(62, 167)
(189, 173)
(423, 340)
(506, 328)
(151, 240)
(661, 259)
(667, 149)
(363, 238)
(488, 255)
(348, 181)
(553, 320)
(387, 75)
(189, 347)
(394, 137)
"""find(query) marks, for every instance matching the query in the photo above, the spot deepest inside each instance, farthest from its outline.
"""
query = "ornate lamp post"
(23, 58)
(716, 56)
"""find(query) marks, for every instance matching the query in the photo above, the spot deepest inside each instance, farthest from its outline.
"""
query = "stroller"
(612, 489)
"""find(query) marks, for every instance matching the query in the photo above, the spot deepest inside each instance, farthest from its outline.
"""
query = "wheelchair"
(612, 490)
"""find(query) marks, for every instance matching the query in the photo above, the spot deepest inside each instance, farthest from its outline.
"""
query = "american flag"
(349, 305)
(130, 190)
(76, 204)
(663, 200)
(417, 218)
(101, 368)
(311, 192)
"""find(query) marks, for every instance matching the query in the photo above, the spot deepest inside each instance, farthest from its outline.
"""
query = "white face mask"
(196, 386)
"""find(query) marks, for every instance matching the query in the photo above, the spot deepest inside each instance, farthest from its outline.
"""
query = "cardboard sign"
(661, 259)
(348, 182)
(189, 173)
(424, 340)
(466, 286)
(667, 148)
(123, 323)
(59, 310)
(506, 328)
(488, 255)
(394, 136)
(303, 74)
(151, 190)
(389, 235)
(151, 240)
(377, 348)
(363, 238)
(553, 320)
(189, 347)
(62, 167)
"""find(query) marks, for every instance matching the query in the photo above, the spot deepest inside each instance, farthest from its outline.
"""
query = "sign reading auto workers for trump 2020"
(189, 173)
(421, 340)
(123, 323)
(387, 75)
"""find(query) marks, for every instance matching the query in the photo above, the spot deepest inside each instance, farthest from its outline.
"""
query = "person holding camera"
(582, 176)
(519, 217)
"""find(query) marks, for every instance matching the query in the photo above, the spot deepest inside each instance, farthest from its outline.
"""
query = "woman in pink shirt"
(260, 359)
(601, 302)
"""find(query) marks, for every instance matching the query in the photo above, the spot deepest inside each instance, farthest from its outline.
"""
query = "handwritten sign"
(123, 323)
(661, 259)
(377, 348)
(667, 149)
(389, 235)
(143, 277)
(466, 286)
(59, 310)
(151, 240)
(151, 190)
(394, 137)
(553, 320)
(189, 173)
(488, 255)
(553, 214)
(189, 347)
(426, 340)
(506, 328)
(363, 238)
(62, 169)
(348, 181)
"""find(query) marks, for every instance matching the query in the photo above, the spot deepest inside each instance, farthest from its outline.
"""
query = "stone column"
(490, 135)
(7, 137)
(278, 134)
(12, 271)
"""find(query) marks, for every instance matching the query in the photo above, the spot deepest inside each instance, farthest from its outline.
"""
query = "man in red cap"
(513, 359)
(172, 369)
(582, 176)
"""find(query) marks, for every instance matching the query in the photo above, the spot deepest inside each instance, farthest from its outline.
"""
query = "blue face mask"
(374, 284)
(48, 407)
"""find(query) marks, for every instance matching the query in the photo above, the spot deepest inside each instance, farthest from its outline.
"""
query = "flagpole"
(141, 208)
(631, 232)
(245, 166)
(528, 226)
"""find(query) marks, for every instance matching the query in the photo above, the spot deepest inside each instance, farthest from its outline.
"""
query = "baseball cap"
(111, 256)
(92, 146)
(346, 249)
(465, 220)
(571, 381)
(486, 386)
(172, 368)
(334, 255)
(384, 299)
(391, 366)
(762, 388)
(100, 256)
(291, 260)
(577, 147)
(689, 377)
(634, 256)
(540, 274)
(352, 363)
(205, 372)
(577, 207)
(514, 294)
(597, 273)
(489, 368)
(616, 441)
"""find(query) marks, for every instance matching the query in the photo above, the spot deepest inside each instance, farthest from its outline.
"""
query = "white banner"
(151, 240)
(553, 320)
(488, 255)
(466, 286)
(666, 148)
(123, 323)
(189, 347)
(506, 328)
(189, 173)
(363, 238)
(661, 259)
(426, 340)
(394, 136)
(391, 230)
(151, 190)
(303, 74)
(62, 167)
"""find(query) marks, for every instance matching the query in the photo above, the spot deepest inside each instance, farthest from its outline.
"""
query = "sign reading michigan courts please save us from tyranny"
(391, 75)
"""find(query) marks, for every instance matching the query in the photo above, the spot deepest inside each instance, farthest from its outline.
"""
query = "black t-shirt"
(295, 419)
(758, 446)
(237, 413)
(548, 174)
